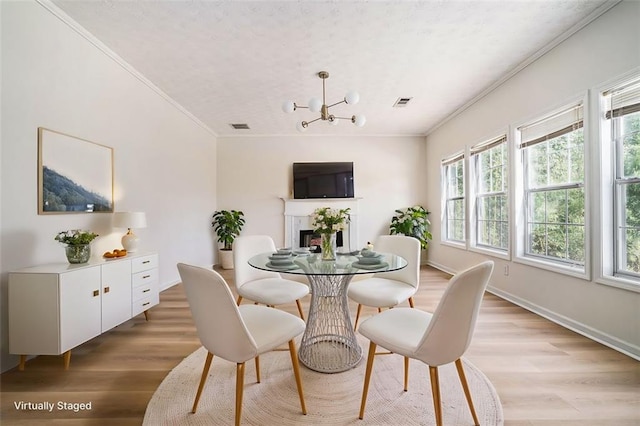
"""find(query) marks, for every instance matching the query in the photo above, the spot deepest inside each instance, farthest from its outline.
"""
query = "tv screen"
(323, 180)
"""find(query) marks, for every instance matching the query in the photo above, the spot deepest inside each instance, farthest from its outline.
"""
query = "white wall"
(254, 172)
(605, 49)
(164, 162)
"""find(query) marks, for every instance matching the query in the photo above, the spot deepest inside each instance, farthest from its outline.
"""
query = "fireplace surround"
(297, 218)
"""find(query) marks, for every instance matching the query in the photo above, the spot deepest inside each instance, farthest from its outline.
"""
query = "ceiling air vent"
(401, 102)
(240, 126)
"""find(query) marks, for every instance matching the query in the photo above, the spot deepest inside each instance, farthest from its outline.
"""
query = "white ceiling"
(237, 61)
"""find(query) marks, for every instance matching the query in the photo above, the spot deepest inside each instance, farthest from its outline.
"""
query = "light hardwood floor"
(544, 374)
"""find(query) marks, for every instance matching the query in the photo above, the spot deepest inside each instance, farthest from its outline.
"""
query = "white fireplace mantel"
(297, 217)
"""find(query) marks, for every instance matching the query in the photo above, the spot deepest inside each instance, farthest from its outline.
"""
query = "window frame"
(474, 193)
(446, 163)
(608, 213)
(520, 192)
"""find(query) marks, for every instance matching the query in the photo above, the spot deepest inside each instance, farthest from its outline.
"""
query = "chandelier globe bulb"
(301, 126)
(288, 106)
(315, 105)
(359, 120)
(352, 97)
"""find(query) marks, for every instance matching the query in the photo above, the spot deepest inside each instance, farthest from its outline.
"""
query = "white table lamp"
(130, 220)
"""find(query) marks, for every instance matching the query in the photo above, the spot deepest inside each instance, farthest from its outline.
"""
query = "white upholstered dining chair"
(435, 339)
(260, 286)
(236, 333)
(388, 289)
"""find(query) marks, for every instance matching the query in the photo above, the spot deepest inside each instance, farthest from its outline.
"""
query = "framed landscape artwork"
(74, 175)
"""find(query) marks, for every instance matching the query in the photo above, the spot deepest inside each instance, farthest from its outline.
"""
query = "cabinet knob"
(145, 261)
(96, 293)
(106, 289)
(145, 304)
(145, 276)
(146, 291)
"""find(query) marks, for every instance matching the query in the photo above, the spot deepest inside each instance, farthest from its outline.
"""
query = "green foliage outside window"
(556, 198)
(630, 193)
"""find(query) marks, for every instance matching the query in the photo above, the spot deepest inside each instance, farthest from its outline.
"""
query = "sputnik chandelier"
(317, 105)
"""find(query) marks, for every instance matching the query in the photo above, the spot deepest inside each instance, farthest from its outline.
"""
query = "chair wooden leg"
(355, 325)
(257, 360)
(367, 378)
(239, 300)
(467, 393)
(435, 389)
(239, 391)
(300, 309)
(406, 373)
(296, 373)
(203, 379)
(411, 302)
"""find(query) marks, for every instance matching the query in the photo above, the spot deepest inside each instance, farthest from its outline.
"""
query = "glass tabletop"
(312, 264)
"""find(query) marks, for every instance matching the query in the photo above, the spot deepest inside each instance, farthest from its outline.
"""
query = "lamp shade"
(130, 220)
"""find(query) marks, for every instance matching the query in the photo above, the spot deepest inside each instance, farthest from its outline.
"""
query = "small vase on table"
(78, 253)
(328, 246)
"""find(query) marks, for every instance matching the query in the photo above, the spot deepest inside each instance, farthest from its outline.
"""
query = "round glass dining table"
(329, 343)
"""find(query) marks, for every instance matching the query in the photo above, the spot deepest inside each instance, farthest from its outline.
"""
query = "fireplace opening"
(310, 239)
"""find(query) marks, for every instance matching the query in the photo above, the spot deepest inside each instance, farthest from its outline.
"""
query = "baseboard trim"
(612, 342)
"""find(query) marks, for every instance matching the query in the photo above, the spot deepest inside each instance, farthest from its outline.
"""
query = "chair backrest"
(406, 247)
(244, 248)
(220, 326)
(449, 333)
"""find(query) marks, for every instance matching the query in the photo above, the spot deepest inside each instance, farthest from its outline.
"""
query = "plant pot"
(226, 258)
(78, 253)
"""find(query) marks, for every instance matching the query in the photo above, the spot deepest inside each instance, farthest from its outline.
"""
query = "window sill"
(490, 252)
(454, 244)
(554, 267)
(620, 282)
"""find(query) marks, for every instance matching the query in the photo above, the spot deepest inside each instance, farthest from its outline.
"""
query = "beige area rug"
(331, 399)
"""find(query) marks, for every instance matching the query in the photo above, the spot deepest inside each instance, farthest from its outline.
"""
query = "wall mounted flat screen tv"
(323, 180)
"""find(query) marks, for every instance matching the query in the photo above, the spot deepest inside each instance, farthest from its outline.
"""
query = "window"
(489, 161)
(552, 150)
(623, 116)
(454, 208)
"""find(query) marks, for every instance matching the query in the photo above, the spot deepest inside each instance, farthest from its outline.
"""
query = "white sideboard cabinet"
(54, 308)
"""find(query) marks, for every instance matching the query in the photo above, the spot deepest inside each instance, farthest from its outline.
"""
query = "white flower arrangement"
(326, 220)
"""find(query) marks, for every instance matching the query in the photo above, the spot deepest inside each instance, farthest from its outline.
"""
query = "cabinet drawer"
(144, 263)
(145, 290)
(144, 277)
(142, 305)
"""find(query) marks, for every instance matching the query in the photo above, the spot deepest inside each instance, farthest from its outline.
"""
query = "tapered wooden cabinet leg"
(239, 300)
(257, 360)
(23, 360)
(146, 315)
(67, 359)
(411, 302)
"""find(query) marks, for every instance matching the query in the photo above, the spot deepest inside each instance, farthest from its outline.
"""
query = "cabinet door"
(116, 294)
(80, 317)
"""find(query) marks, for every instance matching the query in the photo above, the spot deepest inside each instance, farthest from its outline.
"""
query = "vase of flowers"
(327, 222)
(78, 249)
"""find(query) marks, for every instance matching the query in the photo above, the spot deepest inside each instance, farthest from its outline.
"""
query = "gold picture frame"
(74, 175)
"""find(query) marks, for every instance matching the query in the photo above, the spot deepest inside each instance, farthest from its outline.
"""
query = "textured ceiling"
(236, 62)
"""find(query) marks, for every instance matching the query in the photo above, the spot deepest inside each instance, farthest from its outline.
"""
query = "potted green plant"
(78, 249)
(227, 224)
(414, 222)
